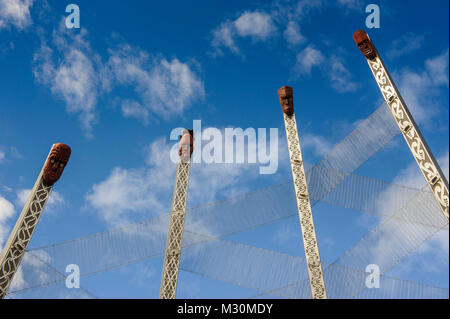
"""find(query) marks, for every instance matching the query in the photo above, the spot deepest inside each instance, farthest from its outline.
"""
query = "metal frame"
(314, 265)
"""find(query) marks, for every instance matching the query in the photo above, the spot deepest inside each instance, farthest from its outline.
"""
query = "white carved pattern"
(417, 148)
(409, 131)
(314, 265)
(175, 233)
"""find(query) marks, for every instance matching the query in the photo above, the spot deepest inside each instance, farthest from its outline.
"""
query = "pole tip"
(364, 43)
(286, 97)
(55, 163)
(186, 144)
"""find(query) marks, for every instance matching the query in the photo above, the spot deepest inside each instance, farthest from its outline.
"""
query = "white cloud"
(6, 209)
(15, 13)
(7, 189)
(134, 109)
(318, 144)
(339, 76)
(8, 152)
(437, 69)
(406, 44)
(18, 281)
(6, 212)
(421, 89)
(297, 11)
(223, 36)
(125, 190)
(261, 26)
(128, 192)
(307, 59)
(333, 67)
(165, 87)
(73, 72)
(438, 248)
(303, 7)
(257, 25)
(350, 4)
(77, 75)
(292, 33)
(36, 270)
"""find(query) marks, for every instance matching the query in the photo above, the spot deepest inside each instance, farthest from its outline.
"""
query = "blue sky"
(115, 88)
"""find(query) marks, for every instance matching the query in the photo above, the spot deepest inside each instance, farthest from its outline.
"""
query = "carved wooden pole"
(413, 137)
(176, 224)
(20, 236)
(315, 273)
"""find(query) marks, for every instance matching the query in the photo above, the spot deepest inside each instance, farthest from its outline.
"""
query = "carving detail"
(186, 145)
(286, 100)
(56, 162)
(364, 43)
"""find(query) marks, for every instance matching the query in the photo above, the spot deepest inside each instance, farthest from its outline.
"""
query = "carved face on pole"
(186, 144)
(364, 43)
(56, 162)
(285, 94)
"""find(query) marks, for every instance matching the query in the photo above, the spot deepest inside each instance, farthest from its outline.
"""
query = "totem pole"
(176, 224)
(408, 127)
(314, 265)
(20, 236)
